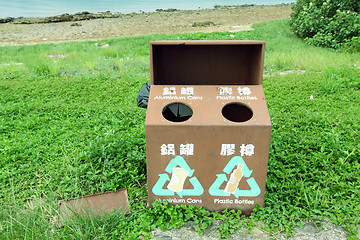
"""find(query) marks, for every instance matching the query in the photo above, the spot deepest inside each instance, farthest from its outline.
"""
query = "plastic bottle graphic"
(235, 178)
(178, 178)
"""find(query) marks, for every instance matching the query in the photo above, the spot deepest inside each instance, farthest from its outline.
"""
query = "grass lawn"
(70, 126)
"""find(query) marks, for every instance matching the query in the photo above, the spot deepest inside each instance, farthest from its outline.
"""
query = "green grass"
(70, 127)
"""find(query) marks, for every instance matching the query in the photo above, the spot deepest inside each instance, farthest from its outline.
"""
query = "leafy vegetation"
(328, 23)
(69, 126)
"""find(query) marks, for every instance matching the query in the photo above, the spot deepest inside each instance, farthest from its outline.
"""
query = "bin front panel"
(208, 160)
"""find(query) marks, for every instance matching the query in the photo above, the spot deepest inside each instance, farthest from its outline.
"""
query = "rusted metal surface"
(96, 204)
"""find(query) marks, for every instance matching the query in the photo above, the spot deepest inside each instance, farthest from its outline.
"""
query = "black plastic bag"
(143, 96)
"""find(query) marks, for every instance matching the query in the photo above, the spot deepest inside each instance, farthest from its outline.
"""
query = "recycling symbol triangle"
(180, 171)
(241, 169)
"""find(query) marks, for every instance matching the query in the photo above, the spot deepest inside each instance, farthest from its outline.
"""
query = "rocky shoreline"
(59, 18)
(95, 26)
(80, 16)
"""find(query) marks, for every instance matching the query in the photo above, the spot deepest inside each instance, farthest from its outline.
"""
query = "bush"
(328, 23)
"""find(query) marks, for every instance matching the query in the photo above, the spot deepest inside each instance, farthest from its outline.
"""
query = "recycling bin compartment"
(207, 125)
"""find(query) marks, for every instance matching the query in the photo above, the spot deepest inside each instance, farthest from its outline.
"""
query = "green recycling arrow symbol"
(234, 162)
(254, 191)
(215, 190)
(163, 178)
(197, 191)
(179, 161)
(158, 187)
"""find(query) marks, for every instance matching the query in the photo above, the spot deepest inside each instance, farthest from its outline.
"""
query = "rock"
(166, 10)
(75, 24)
(82, 13)
(203, 24)
(6, 20)
(80, 16)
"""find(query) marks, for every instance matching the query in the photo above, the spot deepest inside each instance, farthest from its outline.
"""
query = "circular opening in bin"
(177, 112)
(237, 112)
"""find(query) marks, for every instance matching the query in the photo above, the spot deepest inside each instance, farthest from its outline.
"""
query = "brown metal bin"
(207, 125)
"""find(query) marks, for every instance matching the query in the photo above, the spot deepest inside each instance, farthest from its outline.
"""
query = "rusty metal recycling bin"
(207, 125)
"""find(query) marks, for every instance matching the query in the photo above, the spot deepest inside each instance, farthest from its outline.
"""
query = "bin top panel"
(207, 105)
(202, 62)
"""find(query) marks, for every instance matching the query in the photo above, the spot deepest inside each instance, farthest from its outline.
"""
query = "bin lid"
(203, 62)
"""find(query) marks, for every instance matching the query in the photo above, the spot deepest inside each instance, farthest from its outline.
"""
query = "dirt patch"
(226, 18)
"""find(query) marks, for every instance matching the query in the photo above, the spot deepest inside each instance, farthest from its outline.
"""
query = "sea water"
(46, 8)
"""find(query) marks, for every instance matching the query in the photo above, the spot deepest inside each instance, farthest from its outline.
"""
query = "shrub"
(327, 23)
